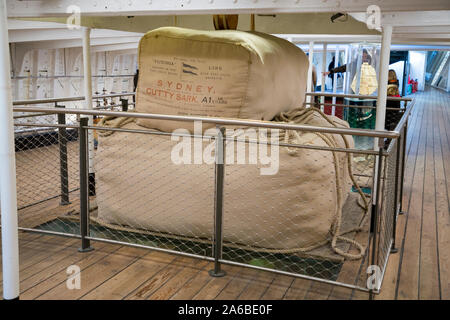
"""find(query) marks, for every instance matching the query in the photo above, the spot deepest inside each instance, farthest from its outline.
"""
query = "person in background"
(392, 116)
(392, 78)
(330, 69)
(365, 58)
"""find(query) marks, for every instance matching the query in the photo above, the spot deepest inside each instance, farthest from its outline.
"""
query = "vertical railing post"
(402, 173)
(322, 88)
(309, 87)
(376, 213)
(396, 194)
(124, 103)
(62, 142)
(86, 37)
(84, 187)
(218, 202)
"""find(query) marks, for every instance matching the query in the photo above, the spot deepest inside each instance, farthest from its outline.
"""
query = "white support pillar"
(310, 70)
(344, 81)
(383, 78)
(324, 77)
(88, 95)
(382, 94)
(10, 243)
(336, 61)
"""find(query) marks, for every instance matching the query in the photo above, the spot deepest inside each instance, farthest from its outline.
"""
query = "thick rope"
(299, 116)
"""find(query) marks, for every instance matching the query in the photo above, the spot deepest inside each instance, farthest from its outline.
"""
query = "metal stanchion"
(218, 217)
(84, 188)
(124, 103)
(64, 173)
(396, 195)
(402, 174)
(376, 212)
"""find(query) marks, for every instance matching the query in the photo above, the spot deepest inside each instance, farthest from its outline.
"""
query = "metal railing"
(70, 99)
(65, 156)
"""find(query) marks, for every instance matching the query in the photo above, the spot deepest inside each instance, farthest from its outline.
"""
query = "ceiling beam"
(52, 34)
(43, 8)
(23, 31)
(410, 19)
(60, 44)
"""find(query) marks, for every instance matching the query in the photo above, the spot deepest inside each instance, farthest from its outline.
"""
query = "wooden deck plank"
(58, 264)
(24, 238)
(237, 285)
(96, 274)
(41, 249)
(278, 288)
(258, 286)
(158, 280)
(35, 249)
(190, 269)
(298, 289)
(409, 277)
(57, 274)
(130, 278)
(65, 250)
(193, 286)
(429, 273)
(414, 124)
(215, 286)
(388, 288)
(319, 291)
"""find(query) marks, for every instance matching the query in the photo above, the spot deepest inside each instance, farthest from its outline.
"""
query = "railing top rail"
(217, 121)
(55, 100)
(342, 95)
(114, 95)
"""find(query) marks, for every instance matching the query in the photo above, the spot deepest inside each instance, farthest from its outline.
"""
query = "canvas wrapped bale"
(294, 210)
(226, 73)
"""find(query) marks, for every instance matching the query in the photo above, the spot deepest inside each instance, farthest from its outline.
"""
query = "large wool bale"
(226, 73)
(297, 208)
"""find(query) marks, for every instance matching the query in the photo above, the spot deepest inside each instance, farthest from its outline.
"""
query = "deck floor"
(420, 270)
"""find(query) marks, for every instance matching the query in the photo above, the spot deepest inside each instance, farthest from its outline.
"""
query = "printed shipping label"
(193, 86)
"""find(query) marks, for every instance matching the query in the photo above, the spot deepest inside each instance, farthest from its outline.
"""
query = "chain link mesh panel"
(143, 196)
(286, 220)
(47, 174)
(387, 206)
